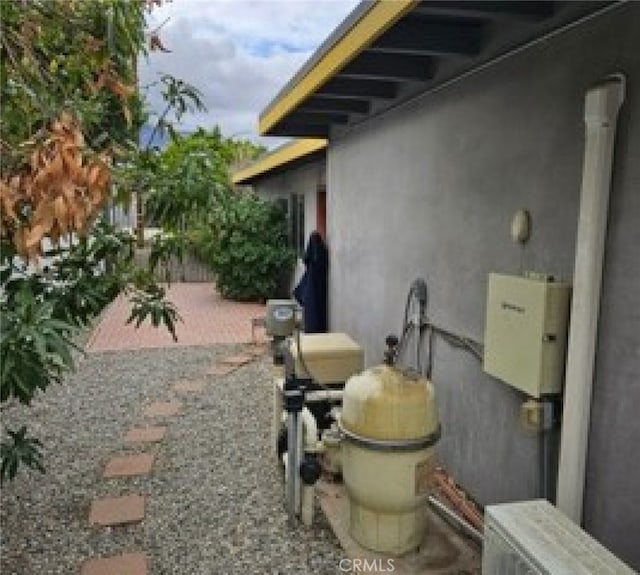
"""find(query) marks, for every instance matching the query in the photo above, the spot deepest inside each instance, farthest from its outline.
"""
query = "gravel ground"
(215, 500)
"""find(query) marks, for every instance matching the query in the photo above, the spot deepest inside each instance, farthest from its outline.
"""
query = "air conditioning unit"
(535, 538)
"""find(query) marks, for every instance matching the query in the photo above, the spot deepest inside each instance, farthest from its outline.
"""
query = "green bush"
(247, 248)
(202, 243)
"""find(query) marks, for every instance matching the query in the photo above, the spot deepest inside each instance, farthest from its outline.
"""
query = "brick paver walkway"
(208, 319)
(125, 564)
(128, 509)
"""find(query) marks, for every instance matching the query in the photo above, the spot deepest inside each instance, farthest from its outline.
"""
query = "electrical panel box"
(526, 332)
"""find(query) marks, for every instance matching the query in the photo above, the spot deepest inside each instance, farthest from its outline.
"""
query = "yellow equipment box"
(331, 357)
(526, 332)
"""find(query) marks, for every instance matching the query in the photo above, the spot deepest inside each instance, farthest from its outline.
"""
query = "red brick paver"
(128, 465)
(188, 386)
(163, 409)
(150, 434)
(208, 319)
(125, 564)
(117, 510)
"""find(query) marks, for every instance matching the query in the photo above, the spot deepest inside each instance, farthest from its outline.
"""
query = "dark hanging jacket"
(311, 292)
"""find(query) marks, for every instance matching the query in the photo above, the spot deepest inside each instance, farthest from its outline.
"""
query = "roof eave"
(278, 158)
(375, 18)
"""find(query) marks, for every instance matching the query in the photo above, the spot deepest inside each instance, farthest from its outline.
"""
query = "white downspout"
(601, 110)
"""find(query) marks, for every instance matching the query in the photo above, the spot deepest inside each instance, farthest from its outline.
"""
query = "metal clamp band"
(392, 444)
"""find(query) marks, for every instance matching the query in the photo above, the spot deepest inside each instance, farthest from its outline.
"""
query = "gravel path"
(215, 501)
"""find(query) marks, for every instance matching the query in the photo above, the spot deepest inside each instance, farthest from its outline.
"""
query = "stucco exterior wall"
(429, 190)
(305, 179)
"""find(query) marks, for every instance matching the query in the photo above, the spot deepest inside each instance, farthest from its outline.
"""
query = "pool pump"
(310, 374)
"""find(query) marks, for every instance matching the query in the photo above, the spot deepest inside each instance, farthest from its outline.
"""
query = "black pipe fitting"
(391, 353)
(293, 394)
(310, 469)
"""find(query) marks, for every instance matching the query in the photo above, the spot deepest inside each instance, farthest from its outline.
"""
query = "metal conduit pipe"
(548, 451)
(292, 463)
(310, 439)
(452, 517)
(277, 414)
(293, 402)
(300, 494)
(602, 104)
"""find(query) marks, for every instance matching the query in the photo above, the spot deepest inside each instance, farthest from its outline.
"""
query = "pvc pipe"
(310, 435)
(278, 414)
(601, 110)
(324, 395)
(306, 505)
(299, 453)
(454, 518)
(310, 428)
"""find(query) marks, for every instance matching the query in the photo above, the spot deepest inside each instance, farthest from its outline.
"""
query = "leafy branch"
(19, 449)
(70, 114)
(180, 98)
(151, 304)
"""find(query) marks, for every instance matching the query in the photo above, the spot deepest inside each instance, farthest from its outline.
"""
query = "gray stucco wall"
(305, 179)
(429, 190)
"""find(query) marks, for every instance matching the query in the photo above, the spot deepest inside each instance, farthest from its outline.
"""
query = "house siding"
(305, 179)
(429, 190)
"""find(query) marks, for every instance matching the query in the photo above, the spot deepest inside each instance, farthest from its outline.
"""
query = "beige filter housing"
(389, 425)
(331, 357)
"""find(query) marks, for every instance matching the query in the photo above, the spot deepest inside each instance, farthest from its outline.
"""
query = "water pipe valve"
(391, 353)
(310, 469)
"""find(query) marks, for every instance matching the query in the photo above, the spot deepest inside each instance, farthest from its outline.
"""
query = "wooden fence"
(189, 270)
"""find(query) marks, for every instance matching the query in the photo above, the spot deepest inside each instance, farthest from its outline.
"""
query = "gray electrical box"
(526, 332)
(280, 319)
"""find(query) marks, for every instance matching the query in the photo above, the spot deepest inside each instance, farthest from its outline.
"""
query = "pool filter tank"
(389, 426)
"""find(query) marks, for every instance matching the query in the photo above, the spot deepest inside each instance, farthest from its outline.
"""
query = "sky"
(238, 53)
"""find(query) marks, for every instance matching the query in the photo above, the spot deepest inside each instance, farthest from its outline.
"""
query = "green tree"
(70, 112)
(188, 179)
(62, 55)
(184, 187)
(188, 193)
(183, 182)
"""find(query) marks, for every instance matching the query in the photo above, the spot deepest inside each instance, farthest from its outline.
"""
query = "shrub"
(247, 248)
(202, 242)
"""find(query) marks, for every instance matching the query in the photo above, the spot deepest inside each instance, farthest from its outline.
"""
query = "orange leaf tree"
(70, 111)
(69, 106)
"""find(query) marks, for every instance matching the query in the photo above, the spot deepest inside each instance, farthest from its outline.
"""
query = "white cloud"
(238, 53)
